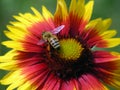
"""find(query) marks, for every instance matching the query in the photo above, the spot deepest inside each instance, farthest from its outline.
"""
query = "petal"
(61, 17)
(28, 47)
(13, 36)
(29, 17)
(36, 75)
(17, 30)
(77, 23)
(88, 10)
(23, 21)
(30, 39)
(107, 60)
(48, 16)
(8, 65)
(18, 81)
(77, 8)
(107, 23)
(108, 43)
(95, 34)
(108, 34)
(19, 25)
(25, 86)
(22, 46)
(96, 24)
(26, 62)
(13, 44)
(46, 13)
(37, 28)
(52, 83)
(68, 86)
(99, 25)
(26, 22)
(108, 66)
(104, 56)
(37, 13)
(108, 76)
(8, 56)
(73, 6)
(16, 33)
(11, 77)
(25, 77)
(86, 83)
(61, 13)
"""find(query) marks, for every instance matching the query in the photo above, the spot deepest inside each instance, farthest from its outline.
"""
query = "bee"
(51, 38)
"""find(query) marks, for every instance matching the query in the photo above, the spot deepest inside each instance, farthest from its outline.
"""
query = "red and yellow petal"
(61, 14)
(16, 33)
(22, 32)
(108, 43)
(80, 15)
(25, 59)
(33, 24)
(105, 56)
(13, 44)
(108, 66)
(26, 78)
(61, 17)
(98, 26)
(77, 8)
(48, 17)
(36, 75)
(107, 60)
(14, 78)
(27, 19)
(76, 12)
(96, 34)
(23, 46)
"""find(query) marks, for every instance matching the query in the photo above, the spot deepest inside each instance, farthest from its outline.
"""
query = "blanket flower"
(59, 52)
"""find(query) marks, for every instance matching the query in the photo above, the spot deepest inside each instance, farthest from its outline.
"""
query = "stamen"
(70, 49)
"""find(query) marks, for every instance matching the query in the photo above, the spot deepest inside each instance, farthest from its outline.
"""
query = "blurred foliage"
(8, 8)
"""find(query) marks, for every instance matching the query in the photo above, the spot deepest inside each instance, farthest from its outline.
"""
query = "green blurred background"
(8, 8)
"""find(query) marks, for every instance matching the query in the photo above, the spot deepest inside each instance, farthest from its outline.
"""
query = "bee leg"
(48, 47)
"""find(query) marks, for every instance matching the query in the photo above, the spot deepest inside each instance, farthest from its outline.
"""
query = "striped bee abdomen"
(54, 43)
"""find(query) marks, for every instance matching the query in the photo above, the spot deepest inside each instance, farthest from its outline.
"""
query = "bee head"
(46, 35)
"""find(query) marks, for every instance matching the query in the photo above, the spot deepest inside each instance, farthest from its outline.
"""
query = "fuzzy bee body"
(51, 38)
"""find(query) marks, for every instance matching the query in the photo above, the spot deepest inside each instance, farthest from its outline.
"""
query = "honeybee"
(51, 38)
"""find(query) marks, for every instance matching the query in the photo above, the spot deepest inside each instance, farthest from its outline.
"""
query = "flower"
(75, 65)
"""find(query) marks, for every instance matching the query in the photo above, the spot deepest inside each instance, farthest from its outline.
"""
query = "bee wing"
(41, 42)
(57, 29)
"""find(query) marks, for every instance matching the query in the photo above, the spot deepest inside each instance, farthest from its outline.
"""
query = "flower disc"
(70, 49)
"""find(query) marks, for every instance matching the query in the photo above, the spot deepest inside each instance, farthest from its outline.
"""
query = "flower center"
(69, 61)
(70, 49)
